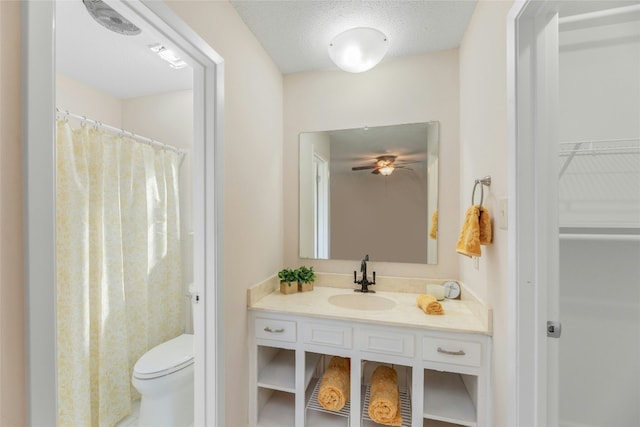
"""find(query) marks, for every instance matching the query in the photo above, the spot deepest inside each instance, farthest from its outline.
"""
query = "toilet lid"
(168, 357)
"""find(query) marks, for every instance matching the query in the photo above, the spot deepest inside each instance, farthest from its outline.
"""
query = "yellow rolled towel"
(429, 304)
(335, 387)
(469, 240)
(384, 397)
(433, 232)
(485, 232)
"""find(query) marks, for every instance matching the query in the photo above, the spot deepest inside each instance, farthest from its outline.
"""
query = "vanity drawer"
(274, 329)
(382, 342)
(452, 351)
(334, 336)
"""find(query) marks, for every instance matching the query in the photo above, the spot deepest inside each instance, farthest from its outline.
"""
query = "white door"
(533, 266)
(575, 126)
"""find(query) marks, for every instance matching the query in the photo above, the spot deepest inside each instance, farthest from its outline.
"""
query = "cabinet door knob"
(275, 331)
(451, 353)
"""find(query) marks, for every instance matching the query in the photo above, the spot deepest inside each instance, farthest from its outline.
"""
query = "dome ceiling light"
(358, 49)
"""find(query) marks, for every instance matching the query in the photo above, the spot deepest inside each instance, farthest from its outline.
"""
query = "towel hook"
(484, 181)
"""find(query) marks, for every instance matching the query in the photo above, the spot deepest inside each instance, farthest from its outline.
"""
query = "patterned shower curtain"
(119, 288)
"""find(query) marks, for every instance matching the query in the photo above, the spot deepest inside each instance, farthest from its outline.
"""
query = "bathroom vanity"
(442, 362)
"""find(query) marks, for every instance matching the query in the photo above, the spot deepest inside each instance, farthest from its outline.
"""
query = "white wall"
(253, 208)
(483, 151)
(408, 90)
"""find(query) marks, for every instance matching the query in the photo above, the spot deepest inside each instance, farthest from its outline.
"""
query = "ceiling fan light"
(386, 170)
(358, 49)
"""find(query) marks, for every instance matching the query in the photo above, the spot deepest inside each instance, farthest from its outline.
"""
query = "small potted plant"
(288, 281)
(305, 277)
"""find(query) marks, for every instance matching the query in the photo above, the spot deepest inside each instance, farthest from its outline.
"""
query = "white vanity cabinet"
(443, 376)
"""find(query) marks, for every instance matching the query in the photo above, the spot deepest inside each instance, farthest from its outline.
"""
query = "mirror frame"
(38, 110)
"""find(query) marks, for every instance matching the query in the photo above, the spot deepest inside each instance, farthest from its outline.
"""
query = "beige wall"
(409, 90)
(12, 314)
(395, 226)
(78, 98)
(253, 227)
(483, 151)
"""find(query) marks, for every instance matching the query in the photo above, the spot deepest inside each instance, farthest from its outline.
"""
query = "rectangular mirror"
(371, 190)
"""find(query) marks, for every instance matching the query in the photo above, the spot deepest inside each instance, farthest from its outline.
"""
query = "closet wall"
(600, 221)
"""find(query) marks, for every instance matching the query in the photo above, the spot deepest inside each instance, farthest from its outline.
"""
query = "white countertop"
(459, 315)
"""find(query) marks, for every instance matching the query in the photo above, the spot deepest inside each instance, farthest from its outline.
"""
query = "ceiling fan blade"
(376, 171)
(359, 168)
(404, 162)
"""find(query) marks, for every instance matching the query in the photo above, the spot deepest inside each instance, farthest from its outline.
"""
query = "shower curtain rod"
(152, 142)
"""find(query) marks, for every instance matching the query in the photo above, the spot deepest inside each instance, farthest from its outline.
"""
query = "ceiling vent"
(109, 18)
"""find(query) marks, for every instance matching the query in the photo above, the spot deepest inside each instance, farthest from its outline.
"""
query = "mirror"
(370, 191)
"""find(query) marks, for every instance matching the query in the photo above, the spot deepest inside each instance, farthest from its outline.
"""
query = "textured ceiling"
(296, 34)
(122, 66)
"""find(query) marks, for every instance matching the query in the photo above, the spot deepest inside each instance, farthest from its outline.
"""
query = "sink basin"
(362, 302)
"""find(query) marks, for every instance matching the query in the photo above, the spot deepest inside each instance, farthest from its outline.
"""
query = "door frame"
(532, 70)
(38, 110)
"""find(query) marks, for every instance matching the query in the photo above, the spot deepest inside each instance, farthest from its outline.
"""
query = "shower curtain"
(118, 257)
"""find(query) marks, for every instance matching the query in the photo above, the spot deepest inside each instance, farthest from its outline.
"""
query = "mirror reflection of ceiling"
(120, 65)
(361, 147)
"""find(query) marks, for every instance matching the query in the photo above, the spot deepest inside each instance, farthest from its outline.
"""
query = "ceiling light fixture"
(168, 55)
(358, 49)
(386, 170)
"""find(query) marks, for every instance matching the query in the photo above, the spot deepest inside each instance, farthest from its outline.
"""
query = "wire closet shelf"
(596, 175)
(601, 147)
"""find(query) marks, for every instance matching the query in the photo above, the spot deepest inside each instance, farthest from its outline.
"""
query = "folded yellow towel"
(429, 304)
(384, 397)
(485, 226)
(433, 232)
(335, 387)
(469, 240)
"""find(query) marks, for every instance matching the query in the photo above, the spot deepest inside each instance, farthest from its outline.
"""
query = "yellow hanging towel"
(433, 232)
(469, 240)
(485, 227)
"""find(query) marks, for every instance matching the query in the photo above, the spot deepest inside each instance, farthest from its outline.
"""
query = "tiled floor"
(132, 419)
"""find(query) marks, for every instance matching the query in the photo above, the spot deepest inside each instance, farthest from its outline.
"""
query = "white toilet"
(164, 378)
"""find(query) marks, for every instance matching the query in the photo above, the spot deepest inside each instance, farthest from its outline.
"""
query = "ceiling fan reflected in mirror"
(384, 165)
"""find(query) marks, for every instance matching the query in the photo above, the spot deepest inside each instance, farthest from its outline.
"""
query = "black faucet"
(364, 282)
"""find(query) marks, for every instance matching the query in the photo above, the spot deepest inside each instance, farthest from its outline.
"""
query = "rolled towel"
(433, 232)
(384, 397)
(485, 232)
(429, 304)
(469, 240)
(335, 387)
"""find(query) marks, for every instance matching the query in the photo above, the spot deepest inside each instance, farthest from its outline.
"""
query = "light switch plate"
(503, 222)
